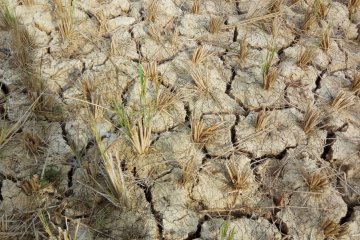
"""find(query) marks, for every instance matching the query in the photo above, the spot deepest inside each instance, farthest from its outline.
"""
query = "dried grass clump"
(325, 39)
(317, 182)
(196, 6)
(309, 20)
(187, 171)
(305, 57)
(239, 179)
(202, 134)
(152, 11)
(168, 97)
(199, 55)
(262, 120)
(64, 14)
(150, 71)
(312, 118)
(342, 101)
(31, 186)
(322, 9)
(269, 74)
(353, 5)
(270, 78)
(8, 19)
(244, 50)
(200, 80)
(333, 230)
(32, 142)
(355, 86)
(215, 24)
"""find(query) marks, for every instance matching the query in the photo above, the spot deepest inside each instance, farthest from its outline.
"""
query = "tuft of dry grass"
(270, 78)
(199, 55)
(168, 97)
(239, 179)
(31, 186)
(215, 24)
(200, 80)
(244, 50)
(152, 11)
(353, 5)
(311, 119)
(309, 20)
(154, 34)
(187, 171)
(32, 142)
(317, 182)
(355, 85)
(150, 71)
(333, 230)
(305, 57)
(322, 8)
(202, 134)
(196, 6)
(325, 39)
(262, 120)
(342, 101)
(64, 14)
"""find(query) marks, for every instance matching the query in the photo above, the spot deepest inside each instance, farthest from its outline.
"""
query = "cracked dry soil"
(259, 167)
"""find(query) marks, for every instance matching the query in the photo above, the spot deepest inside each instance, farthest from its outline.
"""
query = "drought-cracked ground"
(180, 119)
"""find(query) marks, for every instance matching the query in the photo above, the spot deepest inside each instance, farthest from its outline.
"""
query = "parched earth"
(228, 157)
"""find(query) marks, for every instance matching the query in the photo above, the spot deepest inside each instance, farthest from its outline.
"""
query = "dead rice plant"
(262, 120)
(276, 5)
(325, 39)
(305, 57)
(333, 230)
(202, 134)
(322, 9)
(31, 186)
(152, 11)
(353, 5)
(196, 6)
(317, 182)
(200, 80)
(199, 55)
(101, 18)
(342, 101)
(311, 119)
(244, 50)
(270, 78)
(154, 34)
(166, 98)
(215, 24)
(187, 171)
(64, 14)
(355, 86)
(150, 71)
(239, 179)
(309, 21)
(32, 142)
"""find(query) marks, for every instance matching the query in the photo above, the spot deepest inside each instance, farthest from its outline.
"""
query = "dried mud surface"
(292, 183)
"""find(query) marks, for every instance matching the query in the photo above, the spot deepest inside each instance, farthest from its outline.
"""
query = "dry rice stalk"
(317, 182)
(200, 80)
(196, 6)
(333, 230)
(150, 70)
(305, 57)
(325, 39)
(312, 118)
(239, 179)
(342, 101)
(355, 86)
(215, 24)
(322, 9)
(64, 14)
(187, 171)
(166, 98)
(244, 50)
(152, 11)
(200, 133)
(309, 20)
(154, 34)
(100, 17)
(199, 55)
(353, 5)
(32, 142)
(270, 78)
(262, 120)
(141, 136)
(31, 186)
